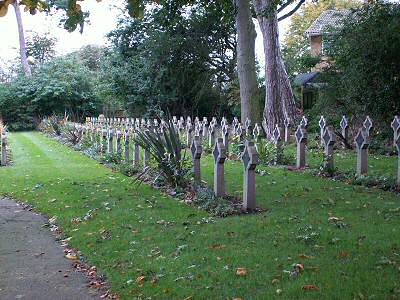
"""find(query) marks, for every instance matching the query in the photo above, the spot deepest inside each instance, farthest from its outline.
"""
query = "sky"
(103, 18)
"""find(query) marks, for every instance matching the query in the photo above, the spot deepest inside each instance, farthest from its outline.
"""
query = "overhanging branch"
(292, 11)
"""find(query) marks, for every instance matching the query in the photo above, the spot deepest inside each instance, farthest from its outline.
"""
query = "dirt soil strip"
(32, 263)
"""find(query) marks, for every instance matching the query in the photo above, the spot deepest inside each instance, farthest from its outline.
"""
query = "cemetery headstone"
(219, 160)
(250, 162)
(301, 139)
(126, 146)
(395, 126)
(329, 140)
(286, 123)
(398, 159)
(344, 125)
(362, 145)
(196, 150)
(368, 125)
(225, 137)
(3, 148)
(322, 126)
(110, 141)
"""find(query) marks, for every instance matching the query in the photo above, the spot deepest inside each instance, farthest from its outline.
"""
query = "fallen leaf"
(310, 287)
(218, 246)
(241, 271)
(140, 280)
(71, 256)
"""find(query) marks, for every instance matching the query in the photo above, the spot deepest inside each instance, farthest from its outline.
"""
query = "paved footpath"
(32, 263)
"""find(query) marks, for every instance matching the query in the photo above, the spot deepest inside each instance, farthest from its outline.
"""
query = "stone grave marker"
(247, 126)
(304, 122)
(118, 136)
(322, 126)
(368, 125)
(395, 126)
(126, 146)
(301, 140)
(286, 124)
(344, 125)
(219, 160)
(398, 159)
(189, 132)
(329, 140)
(211, 135)
(136, 151)
(362, 145)
(225, 137)
(276, 138)
(3, 148)
(250, 162)
(257, 132)
(196, 150)
(110, 141)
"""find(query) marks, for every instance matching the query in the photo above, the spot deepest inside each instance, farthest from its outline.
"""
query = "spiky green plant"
(166, 149)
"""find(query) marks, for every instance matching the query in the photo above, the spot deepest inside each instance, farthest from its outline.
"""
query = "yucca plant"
(166, 149)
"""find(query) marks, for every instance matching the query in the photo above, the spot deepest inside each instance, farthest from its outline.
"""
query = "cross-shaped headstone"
(368, 125)
(219, 160)
(126, 146)
(329, 140)
(397, 143)
(304, 122)
(225, 137)
(196, 150)
(395, 126)
(250, 162)
(286, 123)
(322, 125)
(3, 148)
(257, 132)
(189, 132)
(118, 142)
(362, 145)
(301, 139)
(136, 150)
(344, 125)
(110, 141)
(211, 135)
(247, 126)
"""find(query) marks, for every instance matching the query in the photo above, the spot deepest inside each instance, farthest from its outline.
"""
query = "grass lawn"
(183, 253)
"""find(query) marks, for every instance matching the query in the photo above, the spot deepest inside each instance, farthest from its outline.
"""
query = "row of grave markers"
(195, 134)
(249, 156)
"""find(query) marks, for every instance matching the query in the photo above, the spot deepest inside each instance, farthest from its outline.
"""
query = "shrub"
(166, 149)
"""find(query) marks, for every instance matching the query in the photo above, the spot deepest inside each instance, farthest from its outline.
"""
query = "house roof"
(304, 78)
(328, 20)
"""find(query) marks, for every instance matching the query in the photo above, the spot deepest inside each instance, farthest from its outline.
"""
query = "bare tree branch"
(292, 11)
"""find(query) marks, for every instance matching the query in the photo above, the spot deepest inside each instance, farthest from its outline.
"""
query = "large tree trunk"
(246, 39)
(279, 100)
(22, 45)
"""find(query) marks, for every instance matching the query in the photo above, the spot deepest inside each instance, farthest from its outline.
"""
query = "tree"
(246, 65)
(41, 47)
(365, 77)
(279, 100)
(176, 58)
(22, 46)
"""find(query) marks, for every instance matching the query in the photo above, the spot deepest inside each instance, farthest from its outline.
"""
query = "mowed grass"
(185, 254)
